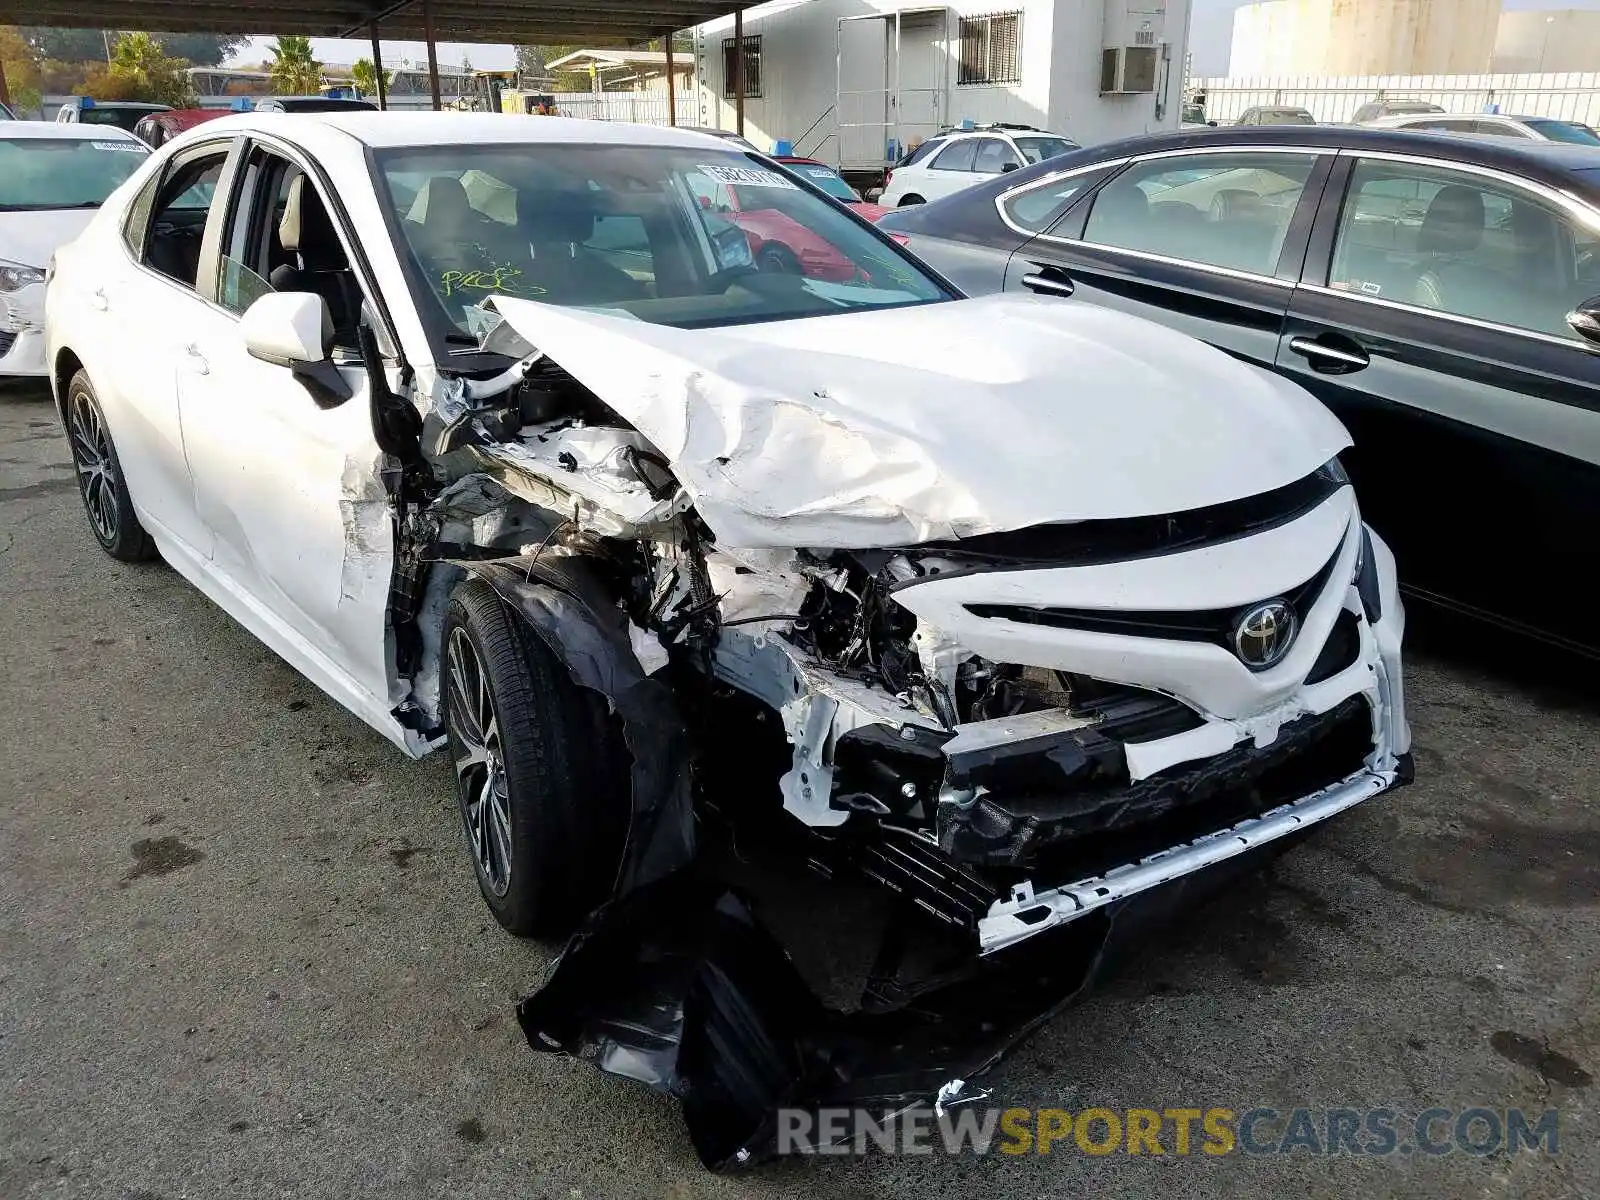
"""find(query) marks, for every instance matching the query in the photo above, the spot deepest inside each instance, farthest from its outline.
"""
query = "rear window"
(59, 173)
(1037, 149)
(825, 178)
(1565, 131)
(920, 153)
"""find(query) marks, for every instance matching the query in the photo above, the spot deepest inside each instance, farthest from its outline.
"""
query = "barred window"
(752, 68)
(991, 49)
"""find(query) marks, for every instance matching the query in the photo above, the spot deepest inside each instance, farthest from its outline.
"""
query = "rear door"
(1206, 242)
(1431, 320)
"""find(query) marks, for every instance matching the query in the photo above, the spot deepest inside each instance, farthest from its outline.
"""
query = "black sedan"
(1441, 295)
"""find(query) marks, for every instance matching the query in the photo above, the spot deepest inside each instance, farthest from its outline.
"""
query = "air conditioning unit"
(1129, 69)
(1131, 41)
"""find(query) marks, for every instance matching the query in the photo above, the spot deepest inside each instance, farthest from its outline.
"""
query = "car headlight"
(14, 276)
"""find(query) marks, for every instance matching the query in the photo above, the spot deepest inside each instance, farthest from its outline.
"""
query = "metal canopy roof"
(526, 21)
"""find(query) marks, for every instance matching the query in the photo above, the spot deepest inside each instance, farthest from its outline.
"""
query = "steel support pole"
(672, 87)
(738, 72)
(377, 66)
(433, 54)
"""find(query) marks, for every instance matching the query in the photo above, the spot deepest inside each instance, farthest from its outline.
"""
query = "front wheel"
(913, 198)
(100, 479)
(776, 259)
(542, 775)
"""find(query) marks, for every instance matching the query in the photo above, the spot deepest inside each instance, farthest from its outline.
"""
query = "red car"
(161, 127)
(778, 241)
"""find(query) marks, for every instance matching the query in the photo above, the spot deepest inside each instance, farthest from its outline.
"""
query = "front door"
(291, 489)
(1434, 326)
(1205, 243)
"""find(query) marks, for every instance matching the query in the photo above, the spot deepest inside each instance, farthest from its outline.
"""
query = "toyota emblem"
(1264, 634)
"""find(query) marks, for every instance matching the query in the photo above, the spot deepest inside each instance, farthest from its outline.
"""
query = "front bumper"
(22, 349)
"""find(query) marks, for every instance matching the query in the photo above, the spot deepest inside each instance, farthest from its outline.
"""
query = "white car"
(52, 179)
(957, 159)
(489, 428)
(1532, 129)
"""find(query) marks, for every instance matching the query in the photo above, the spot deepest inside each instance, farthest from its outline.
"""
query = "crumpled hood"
(938, 421)
(31, 237)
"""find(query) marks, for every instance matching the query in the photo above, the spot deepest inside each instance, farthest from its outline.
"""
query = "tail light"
(900, 239)
(888, 178)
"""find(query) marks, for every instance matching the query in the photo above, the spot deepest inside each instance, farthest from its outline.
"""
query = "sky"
(1211, 30)
(346, 51)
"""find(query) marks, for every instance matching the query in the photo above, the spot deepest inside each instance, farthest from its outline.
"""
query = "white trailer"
(855, 82)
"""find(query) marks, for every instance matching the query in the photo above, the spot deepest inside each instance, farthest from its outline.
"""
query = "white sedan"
(500, 437)
(52, 179)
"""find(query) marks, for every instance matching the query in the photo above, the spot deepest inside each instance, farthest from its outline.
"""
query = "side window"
(920, 154)
(1222, 210)
(957, 156)
(1497, 129)
(178, 216)
(1038, 208)
(993, 156)
(1465, 245)
(137, 221)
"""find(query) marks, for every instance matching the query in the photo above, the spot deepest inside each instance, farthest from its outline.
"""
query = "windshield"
(1565, 131)
(1037, 149)
(825, 178)
(314, 104)
(122, 118)
(1400, 108)
(63, 172)
(648, 232)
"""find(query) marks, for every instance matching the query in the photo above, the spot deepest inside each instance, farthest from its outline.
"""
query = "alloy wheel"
(480, 763)
(97, 472)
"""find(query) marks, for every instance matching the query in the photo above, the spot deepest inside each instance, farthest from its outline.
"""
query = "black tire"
(563, 771)
(101, 484)
(913, 198)
(778, 259)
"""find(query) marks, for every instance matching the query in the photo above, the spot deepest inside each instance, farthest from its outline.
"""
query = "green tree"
(89, 45)
(531, 62)
(294, 70)
(141, 70)
(365, 76)
(20, 62)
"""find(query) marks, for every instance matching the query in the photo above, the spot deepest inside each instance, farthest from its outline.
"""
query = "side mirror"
(295, 330)
(1585, 320)
(1213, 124)
(1010, 166)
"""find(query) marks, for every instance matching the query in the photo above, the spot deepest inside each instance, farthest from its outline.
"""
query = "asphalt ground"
(242, 953)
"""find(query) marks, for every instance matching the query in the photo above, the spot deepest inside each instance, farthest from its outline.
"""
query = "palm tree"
(365, 76)
(148, 71)
(294, 70)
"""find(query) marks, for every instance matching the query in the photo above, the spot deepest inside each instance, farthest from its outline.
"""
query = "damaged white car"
(497, 432)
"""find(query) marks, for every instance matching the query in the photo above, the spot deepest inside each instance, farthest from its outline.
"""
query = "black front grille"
(1079, 831)
(1213, 625)
(1081, 543)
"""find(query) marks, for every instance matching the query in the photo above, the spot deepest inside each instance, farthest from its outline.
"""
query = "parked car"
(1394, 106)
(158, 128)
(1276, 115)
(320, 104)
(51, 182)
(6, 114)
(1024, 610)
(1533, 129)
(958, 159)
(824, 177)
(124, 114)
(1436, 293)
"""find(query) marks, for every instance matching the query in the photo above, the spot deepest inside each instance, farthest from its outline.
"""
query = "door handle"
(197, 360)
(1326, 356)
(98, 300)
(1049, 281)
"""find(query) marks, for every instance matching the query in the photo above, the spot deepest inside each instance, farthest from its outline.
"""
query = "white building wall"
(1058, 87)
(1548, 40)
(1363, 37)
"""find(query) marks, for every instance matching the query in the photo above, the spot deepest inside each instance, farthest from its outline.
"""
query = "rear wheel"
(541, 770)
(100, 481)
(913, 198)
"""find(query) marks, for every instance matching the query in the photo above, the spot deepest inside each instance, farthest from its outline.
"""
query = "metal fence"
(1570, 97)
(641, 108)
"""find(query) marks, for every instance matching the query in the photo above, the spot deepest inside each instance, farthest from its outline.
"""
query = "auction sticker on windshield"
(127, 147)
(746, 176)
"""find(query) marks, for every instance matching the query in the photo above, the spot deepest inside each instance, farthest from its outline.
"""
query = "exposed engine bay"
(957, 720)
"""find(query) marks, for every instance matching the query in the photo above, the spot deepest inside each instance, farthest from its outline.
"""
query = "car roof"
(140, 105)
(382, 130)
(1548, 161)
(65, 129)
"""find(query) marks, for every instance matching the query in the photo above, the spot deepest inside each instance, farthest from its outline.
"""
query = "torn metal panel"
(366, 513)
(907, 438)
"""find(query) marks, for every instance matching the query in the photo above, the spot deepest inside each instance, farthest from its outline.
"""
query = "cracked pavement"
(242, 952)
